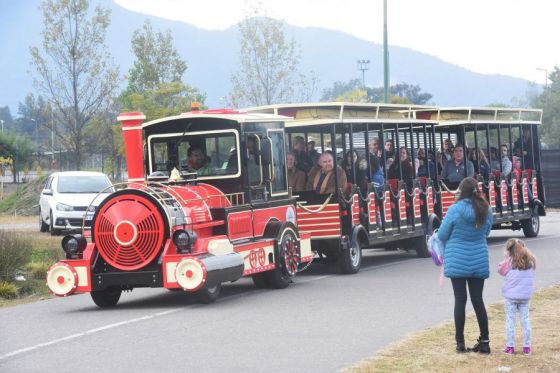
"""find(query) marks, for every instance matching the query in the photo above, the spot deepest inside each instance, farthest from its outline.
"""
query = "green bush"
(15, 251)
(38, 270)
(8, 290)
(28, 288)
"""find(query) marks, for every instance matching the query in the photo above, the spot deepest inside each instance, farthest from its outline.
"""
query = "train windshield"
(208, 154)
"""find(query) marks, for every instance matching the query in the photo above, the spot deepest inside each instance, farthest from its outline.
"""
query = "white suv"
(66, 197)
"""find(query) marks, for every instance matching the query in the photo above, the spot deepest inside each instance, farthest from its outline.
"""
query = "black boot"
(461, 347)
(482, 346)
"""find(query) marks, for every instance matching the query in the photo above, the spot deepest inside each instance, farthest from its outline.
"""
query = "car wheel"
(54, 232)
(43, 227)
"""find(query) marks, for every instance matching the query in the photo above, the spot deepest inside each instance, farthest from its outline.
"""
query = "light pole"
(385, 55)
(2, 121)
(545, 77)
(363, 65)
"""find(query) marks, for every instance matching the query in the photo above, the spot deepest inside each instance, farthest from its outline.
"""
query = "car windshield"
(82, 184)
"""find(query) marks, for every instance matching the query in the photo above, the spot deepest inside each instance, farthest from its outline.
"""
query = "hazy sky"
(512, 37)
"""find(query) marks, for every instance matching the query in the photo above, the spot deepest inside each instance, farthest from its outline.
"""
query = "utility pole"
(385, 55)
(363, 65)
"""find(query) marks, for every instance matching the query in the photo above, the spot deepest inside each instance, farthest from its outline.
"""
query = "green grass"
(25, 199)
(433, 350)
(42, 249)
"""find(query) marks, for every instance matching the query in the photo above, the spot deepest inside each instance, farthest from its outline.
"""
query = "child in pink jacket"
(518, 268)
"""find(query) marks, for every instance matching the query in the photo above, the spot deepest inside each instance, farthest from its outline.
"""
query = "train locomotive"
(206, 203)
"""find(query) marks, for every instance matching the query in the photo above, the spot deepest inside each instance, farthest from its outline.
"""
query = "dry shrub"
(15, 251)
(8, 290)
(38, 270)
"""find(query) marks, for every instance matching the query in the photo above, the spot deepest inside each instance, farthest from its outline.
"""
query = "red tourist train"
(214, 206)
(208, 198)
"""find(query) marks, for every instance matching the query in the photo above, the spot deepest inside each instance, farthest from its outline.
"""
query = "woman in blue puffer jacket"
(464, 230)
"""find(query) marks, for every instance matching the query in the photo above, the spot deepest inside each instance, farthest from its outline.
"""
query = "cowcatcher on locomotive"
(214, 207)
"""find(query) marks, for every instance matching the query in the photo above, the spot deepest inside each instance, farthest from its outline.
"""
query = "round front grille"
(128, 231)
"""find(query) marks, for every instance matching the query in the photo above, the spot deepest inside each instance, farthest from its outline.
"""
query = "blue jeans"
(511, 308)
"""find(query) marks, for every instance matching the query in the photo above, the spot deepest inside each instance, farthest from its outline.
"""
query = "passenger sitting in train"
(304, 162)
(447, 151)
(516, 171)
(506, 165)
(296, 177)
(353, 161)
(389, 152)
(406, 167)
(426, 164)
(197, 161)
(529, 149)
(322, 178)
(480, 162)
(312, 152)
(454, 171)
(375, 154)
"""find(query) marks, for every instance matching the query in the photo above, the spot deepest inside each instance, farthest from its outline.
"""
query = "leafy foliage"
(157, 60)
(269, 65)
(401, 93)
(15, 151)
(155, 84)
(74, 69)
(549, 102)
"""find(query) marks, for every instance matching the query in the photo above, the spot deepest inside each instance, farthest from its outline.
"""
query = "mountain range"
(212, 56)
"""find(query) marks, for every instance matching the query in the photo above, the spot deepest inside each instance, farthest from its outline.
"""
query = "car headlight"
(64, 207)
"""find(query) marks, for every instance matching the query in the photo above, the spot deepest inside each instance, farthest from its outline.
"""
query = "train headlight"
(184, 241)
(74, 245)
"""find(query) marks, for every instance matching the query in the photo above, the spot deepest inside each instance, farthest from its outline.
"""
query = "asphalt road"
(322, 323)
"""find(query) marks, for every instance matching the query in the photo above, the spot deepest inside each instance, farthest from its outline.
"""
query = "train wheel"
(421, 245)
(350, 260)
(209, 295)
(532, 226)
(260, 280)
(287, 261)
(107, 297)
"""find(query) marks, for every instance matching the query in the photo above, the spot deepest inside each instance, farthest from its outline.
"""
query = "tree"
(36, 119)
(15, 152)
(340, 89)
(157, 60)
(549, 102)
(401, 93)
(110, 141)
(155, 84)
(269, 64)
(74, 69)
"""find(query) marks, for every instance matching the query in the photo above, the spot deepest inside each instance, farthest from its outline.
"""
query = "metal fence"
(550, 166)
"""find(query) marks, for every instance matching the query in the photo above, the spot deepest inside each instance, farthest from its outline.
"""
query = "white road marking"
(164, 313)
(87, 332)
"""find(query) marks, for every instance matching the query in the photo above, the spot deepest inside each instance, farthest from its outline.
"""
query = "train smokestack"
(132, 134)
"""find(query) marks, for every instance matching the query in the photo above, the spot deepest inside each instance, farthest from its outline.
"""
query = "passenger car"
(67, 196)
